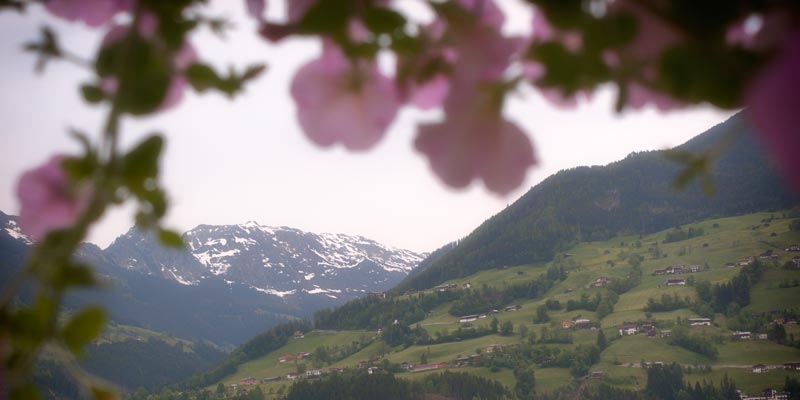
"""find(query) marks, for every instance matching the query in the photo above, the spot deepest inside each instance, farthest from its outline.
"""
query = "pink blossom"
(774, 100)
(339, 101)
(91, 12)
(430, 94)
(255, 8)
(478, 146)
(49, 201)
(297, 9)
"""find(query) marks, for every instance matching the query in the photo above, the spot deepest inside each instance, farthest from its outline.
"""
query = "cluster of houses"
(766, 394)
(646, 327)
(746, 335)
(678, 270)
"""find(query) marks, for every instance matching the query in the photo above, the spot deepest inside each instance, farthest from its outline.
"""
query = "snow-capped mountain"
(278, 261)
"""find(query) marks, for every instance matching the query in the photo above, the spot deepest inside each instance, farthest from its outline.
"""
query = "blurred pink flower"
(773, 101)
(255, 8)
(479, 146)
(91, 12)
(430, 94)
(49, 201)
(351, 103)
(475, 140)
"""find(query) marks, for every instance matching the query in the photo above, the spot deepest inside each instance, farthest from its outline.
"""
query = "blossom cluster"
(465, 65)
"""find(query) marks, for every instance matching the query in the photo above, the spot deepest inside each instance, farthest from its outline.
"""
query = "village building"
(429, 367)
(582, 322)
(675, 282)
(699, 321)
(793, 247)
(666, 333)
(759, 369)
(468, 318)
(467, 285)
(600, 282)
(566, 324)
(514, 307)
(762, 336)
(299, 335)
(747, 261)
(737, 335)
(597, 374)
(313, 373)
(628, 329)
(660, 272)
(335, 370)
(494, 347)
(286, 358)
(249, 381)
(292, 376)
(301, 355)
(730, 265)
(376, 295)
(694, 268)
(792, 365)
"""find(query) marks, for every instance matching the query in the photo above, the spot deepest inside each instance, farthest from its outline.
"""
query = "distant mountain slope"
(230, 282)
(634, 195)
(283, 262)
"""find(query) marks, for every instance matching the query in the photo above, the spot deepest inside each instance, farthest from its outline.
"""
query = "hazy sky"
(229, 162)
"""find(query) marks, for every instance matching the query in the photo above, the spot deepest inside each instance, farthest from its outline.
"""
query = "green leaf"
(170, 238)
(26, 392)
(383, 20)
(325, 17)
(202, 77)
(83, 327)
(75, 275)
(141, 163)
(93, 94)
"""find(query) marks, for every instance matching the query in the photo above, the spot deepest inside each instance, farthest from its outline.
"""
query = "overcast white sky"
(229, 162)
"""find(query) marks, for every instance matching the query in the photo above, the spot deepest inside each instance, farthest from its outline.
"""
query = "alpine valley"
(600, 283)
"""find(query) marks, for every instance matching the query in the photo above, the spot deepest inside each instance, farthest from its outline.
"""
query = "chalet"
(271, 379)
(759, 369)
(651, 333)
(512, 307)
(767, 255)
(249, 381)
(467, 285)
(747, 261)
(600, 282)
(796, 261)
(699, 321)
(793, 247)
(762, 336)
(582, 322)
(313, 373)
(405, 366)
(566, 324)
(494, 347)
(694, 268)
(362, 364)
(792, 365)
(299, 335)
(445, 288)
(628, 329)
(660, 272)
(376, 295)
(301, 355)
(666, 333)
(675, 282)
(468, 318)
(292, 376)
(335, 370)
(678, 269)
(286, 358)
(462, 361)
(372, 370)
(429, 367)
(737, 335)
(597, 375)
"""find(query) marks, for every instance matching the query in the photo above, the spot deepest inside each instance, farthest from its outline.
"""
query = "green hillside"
(562, 357)
(631, 196)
